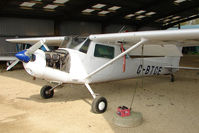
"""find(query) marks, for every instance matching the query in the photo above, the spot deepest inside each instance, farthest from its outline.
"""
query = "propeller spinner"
(26, 55)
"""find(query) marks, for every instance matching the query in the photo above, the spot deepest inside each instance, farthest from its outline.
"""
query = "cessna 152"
(103, 58)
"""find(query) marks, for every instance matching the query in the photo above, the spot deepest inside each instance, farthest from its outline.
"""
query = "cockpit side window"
(104, 51)
(85, 46)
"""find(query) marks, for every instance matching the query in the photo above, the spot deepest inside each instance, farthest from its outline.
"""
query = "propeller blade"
(12, 65)
(34, 47)
(26, 54)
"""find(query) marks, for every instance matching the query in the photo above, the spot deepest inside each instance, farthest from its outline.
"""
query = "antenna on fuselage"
(122, 29)
(142, 54)
(66, 42)
(142, 78)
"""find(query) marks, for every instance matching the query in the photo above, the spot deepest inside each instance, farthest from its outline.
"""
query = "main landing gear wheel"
(172, 78)
(99, 105)
(47, 92)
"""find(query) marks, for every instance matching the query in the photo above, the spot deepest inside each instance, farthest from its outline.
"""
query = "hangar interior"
(33, 18)
(166, 107)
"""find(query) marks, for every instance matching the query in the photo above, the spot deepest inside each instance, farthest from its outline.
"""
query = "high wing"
(188, 37)
(50, 41)
(185, 37)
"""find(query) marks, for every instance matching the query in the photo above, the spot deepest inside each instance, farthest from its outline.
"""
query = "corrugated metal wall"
(79, 28)
(26, 27)
(6, 48)
(115, 28)
(13, 27)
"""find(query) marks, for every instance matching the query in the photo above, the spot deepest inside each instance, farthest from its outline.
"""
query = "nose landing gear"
(48, 91)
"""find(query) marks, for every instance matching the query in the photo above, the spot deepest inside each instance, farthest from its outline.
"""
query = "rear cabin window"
(104, 51)
(85, 46)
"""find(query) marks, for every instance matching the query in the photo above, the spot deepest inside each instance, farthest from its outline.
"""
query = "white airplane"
(103, 58)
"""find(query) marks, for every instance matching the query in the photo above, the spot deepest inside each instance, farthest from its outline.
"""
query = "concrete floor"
(166, 107)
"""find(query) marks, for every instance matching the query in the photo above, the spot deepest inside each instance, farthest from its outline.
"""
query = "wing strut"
(141, 42)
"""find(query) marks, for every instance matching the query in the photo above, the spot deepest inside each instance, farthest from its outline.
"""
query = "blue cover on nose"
(21, 56)
(43, 48)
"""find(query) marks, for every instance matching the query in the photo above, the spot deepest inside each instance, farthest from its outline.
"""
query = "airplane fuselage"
(73, 65)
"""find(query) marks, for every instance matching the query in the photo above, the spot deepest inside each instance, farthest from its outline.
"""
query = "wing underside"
(186, 37)
(50, 41)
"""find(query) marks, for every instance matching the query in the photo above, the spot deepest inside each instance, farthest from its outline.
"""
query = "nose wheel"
(47, 92)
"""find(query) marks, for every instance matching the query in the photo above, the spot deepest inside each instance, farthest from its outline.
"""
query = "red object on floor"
(123, 111)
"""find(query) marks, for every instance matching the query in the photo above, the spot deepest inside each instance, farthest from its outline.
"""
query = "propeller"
(12, 65)
(25, 55)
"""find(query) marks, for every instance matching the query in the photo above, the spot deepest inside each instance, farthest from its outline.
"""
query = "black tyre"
(172, 78)
(46, 93)
(99, 105)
